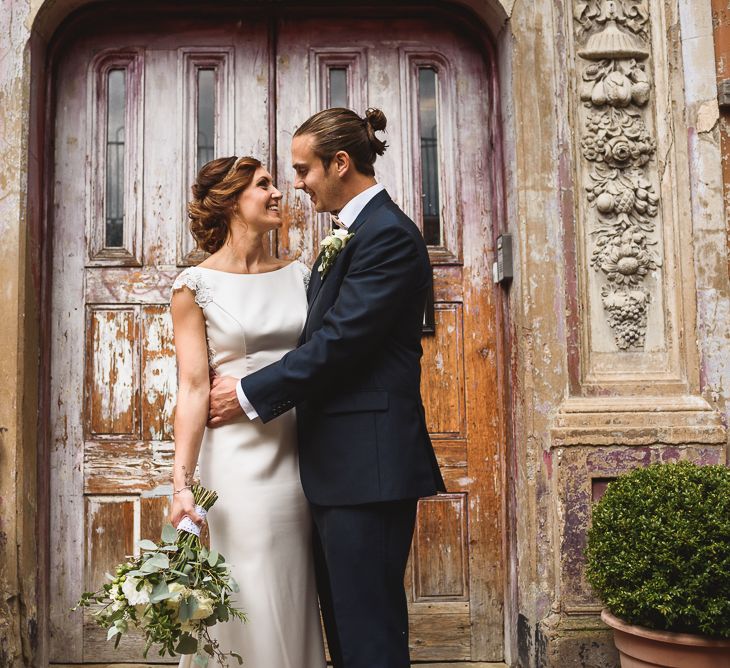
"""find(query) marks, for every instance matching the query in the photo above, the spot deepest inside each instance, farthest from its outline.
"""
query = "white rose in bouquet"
(205, 605)
(177, 591)
(141, 597)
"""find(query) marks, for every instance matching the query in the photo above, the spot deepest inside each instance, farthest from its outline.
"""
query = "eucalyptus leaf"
(148, 545)
(160, 592)
(221, 612)
(213, 557)
(150, 567)
(187, 644)
(169, 534)
(112, 632)
(185, 611)
(155, 563)
(188, 606)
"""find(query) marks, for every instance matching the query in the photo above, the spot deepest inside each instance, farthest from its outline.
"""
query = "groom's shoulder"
(390, 216)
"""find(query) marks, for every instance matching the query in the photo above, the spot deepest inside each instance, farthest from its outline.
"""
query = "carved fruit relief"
(617, 148)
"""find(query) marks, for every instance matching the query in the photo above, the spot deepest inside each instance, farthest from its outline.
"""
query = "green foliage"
(659, 548)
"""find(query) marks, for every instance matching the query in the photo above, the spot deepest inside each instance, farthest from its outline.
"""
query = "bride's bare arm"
(191, 411)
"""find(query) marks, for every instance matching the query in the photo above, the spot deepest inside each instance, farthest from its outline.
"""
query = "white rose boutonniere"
(331, 245)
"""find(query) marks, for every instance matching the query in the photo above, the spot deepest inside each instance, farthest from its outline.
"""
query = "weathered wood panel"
(440, 636)
(153, 515)
(67, 365)
(113, 381)
(147, 467)
(159, 374)
(440, 549)
(448, 283)
(141, 285)
(442, 382)
(98, 648)
(162, 158)
(484, 385)
(450, 452)
(110, 534)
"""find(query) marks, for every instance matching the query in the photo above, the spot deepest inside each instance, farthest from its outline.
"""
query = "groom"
(364, 450)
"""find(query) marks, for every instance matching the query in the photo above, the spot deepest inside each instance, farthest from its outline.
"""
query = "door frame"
(62, 21)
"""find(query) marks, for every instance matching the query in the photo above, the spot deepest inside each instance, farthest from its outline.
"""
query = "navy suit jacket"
(355, 376)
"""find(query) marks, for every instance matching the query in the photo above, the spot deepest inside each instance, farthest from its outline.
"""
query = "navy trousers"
(360, 560)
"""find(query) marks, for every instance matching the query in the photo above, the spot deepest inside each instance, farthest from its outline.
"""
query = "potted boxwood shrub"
(658, 557)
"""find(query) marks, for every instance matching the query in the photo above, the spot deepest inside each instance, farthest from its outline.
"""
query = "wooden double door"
(138, 105)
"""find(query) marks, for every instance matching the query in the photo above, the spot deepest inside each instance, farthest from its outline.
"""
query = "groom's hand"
(224, 404)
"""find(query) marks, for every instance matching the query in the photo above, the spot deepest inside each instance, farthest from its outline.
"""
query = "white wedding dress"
(261, 521)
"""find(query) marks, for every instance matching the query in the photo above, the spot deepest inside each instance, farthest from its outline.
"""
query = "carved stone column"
(635, 381)
(622, 242)
(617, 146)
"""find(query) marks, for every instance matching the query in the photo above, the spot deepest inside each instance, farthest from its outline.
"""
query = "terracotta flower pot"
(646, 648)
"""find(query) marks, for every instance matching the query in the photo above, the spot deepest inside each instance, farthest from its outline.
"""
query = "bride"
(238, 311)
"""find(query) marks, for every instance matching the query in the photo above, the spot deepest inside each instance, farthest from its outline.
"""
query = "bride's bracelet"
(182, 489)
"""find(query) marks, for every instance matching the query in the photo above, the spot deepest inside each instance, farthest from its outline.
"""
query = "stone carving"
(617, 145)
(592, 15)
(616, 83)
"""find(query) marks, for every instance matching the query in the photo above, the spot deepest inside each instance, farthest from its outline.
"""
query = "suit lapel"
(315, 283)
(317, 279)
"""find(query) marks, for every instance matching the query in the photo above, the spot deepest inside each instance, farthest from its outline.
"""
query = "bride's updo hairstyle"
(339, 129)
(215, 192)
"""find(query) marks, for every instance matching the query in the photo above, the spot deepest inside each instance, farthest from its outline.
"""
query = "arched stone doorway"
(110, 284)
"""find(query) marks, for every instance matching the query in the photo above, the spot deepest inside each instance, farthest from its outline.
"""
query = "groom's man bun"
(339, 129)
(215, 192)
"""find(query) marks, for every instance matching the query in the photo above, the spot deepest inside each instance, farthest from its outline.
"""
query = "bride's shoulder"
(192, 279)
(303, 270)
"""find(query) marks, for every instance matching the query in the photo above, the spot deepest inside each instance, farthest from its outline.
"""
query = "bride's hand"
(183, 504)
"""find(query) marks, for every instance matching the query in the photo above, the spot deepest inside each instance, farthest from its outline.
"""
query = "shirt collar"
(349, 213)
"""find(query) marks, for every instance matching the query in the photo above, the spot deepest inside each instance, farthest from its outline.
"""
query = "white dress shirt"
(347, 215)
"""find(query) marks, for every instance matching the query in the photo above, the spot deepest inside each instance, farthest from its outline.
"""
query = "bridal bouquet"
(173, 592)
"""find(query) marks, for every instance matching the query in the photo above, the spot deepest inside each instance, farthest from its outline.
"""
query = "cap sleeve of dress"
(192, 278)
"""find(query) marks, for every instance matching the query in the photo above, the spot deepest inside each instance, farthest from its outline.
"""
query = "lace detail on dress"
(192, 278)
(211, 354)
(306, 274)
